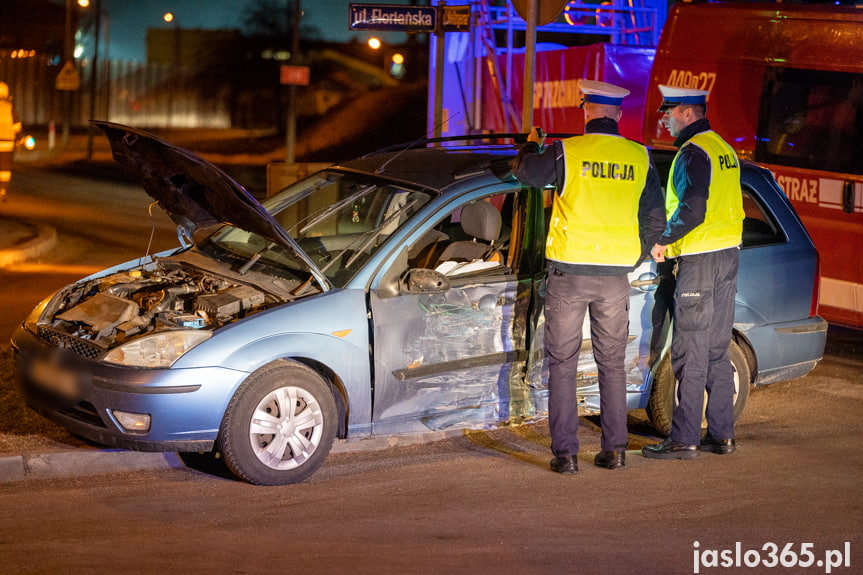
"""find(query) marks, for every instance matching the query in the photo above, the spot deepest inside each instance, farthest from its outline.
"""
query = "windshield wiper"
(254, 259)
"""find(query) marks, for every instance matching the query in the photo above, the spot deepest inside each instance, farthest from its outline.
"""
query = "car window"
(548, 195)
(759, 228)
(341, 220)
(475, 238)
(811, 119)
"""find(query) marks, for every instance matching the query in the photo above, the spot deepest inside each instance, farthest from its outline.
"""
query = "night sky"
(128, 20)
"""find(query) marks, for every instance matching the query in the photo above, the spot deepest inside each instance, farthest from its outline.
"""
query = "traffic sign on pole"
(549, 10)
(455, 18)
(68, 78)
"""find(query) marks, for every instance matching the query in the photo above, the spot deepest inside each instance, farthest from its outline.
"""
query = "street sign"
(294, 75)
(548, 12)
(68, 78)
(393, 18)
(455, 18)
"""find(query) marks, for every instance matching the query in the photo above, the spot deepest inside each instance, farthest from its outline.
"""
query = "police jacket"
(704, 205)
(9, 124)
(609, 207)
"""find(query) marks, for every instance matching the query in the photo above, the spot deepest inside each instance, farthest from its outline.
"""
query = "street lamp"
(397, 65)
(94, 83)
(69, 59)
(170, 18)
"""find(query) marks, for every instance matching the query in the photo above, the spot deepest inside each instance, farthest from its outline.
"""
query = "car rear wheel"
(280, 425)
(663, 396)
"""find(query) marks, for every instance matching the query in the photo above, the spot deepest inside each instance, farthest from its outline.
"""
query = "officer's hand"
(536, 136)
(657, 252)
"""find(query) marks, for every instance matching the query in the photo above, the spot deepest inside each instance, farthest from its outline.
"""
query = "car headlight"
(156, 350)
(36, 313)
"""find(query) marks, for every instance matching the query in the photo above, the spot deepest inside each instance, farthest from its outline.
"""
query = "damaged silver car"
(398, 293)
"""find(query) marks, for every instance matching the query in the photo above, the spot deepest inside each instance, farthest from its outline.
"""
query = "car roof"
(437, 164)
(437, 167)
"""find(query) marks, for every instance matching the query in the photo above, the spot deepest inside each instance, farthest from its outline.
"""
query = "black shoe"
(670, 449)
(610, 459)
(566, 464)
(720, 446)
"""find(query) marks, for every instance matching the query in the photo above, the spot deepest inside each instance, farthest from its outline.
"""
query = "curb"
(82, 463)
(385, 442)
(74, 463)
(45, 239)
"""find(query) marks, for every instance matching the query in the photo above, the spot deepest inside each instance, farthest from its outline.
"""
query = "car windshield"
(339, 220)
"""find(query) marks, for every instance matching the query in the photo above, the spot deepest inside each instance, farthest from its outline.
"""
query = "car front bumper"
(185, 405)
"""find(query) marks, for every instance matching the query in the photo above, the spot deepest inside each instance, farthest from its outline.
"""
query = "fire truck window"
(812, 119)
(758, 227)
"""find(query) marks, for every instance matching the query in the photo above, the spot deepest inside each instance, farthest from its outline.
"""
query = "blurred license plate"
(52, 376)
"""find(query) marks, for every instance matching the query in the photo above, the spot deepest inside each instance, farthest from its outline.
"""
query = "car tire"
(279, 426)
(663, 395)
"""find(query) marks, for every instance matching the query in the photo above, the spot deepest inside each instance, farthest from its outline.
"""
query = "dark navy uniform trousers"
(703, 319)
(606, 299)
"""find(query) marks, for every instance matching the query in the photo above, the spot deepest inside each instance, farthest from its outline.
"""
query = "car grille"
(80, 347)
(86, 413)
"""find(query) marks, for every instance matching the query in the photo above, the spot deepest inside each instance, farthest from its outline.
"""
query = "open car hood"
(192, 191)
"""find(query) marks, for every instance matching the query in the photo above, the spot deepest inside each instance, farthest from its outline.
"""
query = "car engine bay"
(164, 295)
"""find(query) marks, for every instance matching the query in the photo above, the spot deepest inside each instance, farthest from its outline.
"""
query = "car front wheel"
(663, 395)
(280, 425)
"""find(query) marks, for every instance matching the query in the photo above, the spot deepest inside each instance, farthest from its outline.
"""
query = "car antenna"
(410, 145)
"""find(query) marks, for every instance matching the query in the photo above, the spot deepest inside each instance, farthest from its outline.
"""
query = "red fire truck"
(786, 90)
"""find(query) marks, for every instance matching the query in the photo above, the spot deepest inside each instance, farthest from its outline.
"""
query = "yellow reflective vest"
(722, 227)
(594, 219)
(9, 127)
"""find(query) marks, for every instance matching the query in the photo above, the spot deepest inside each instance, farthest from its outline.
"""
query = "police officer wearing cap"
(704, 208)
(607, 212)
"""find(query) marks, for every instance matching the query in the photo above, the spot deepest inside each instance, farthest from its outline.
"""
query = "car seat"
(482, 223)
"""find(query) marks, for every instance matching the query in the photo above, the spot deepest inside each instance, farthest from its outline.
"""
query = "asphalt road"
(482, 503)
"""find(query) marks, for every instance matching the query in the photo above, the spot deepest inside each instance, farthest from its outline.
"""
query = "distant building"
(32, 25)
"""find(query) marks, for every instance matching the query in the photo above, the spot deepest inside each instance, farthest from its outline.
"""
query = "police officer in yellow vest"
(9, 128)
(704, 207)
(607, 212)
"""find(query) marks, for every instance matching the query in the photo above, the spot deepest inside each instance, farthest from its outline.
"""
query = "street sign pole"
(94, 83)
(440, 41)
(529, 66)
(68, 55)
(291, 128)
(535, 13)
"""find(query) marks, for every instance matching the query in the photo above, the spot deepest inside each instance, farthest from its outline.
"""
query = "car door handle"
(645, 281)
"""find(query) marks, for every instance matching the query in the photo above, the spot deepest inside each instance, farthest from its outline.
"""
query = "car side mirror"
(420, 281)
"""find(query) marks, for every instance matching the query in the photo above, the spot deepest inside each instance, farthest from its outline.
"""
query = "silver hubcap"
(286, 427)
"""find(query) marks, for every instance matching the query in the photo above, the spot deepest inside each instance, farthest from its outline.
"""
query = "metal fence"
(134, 93)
